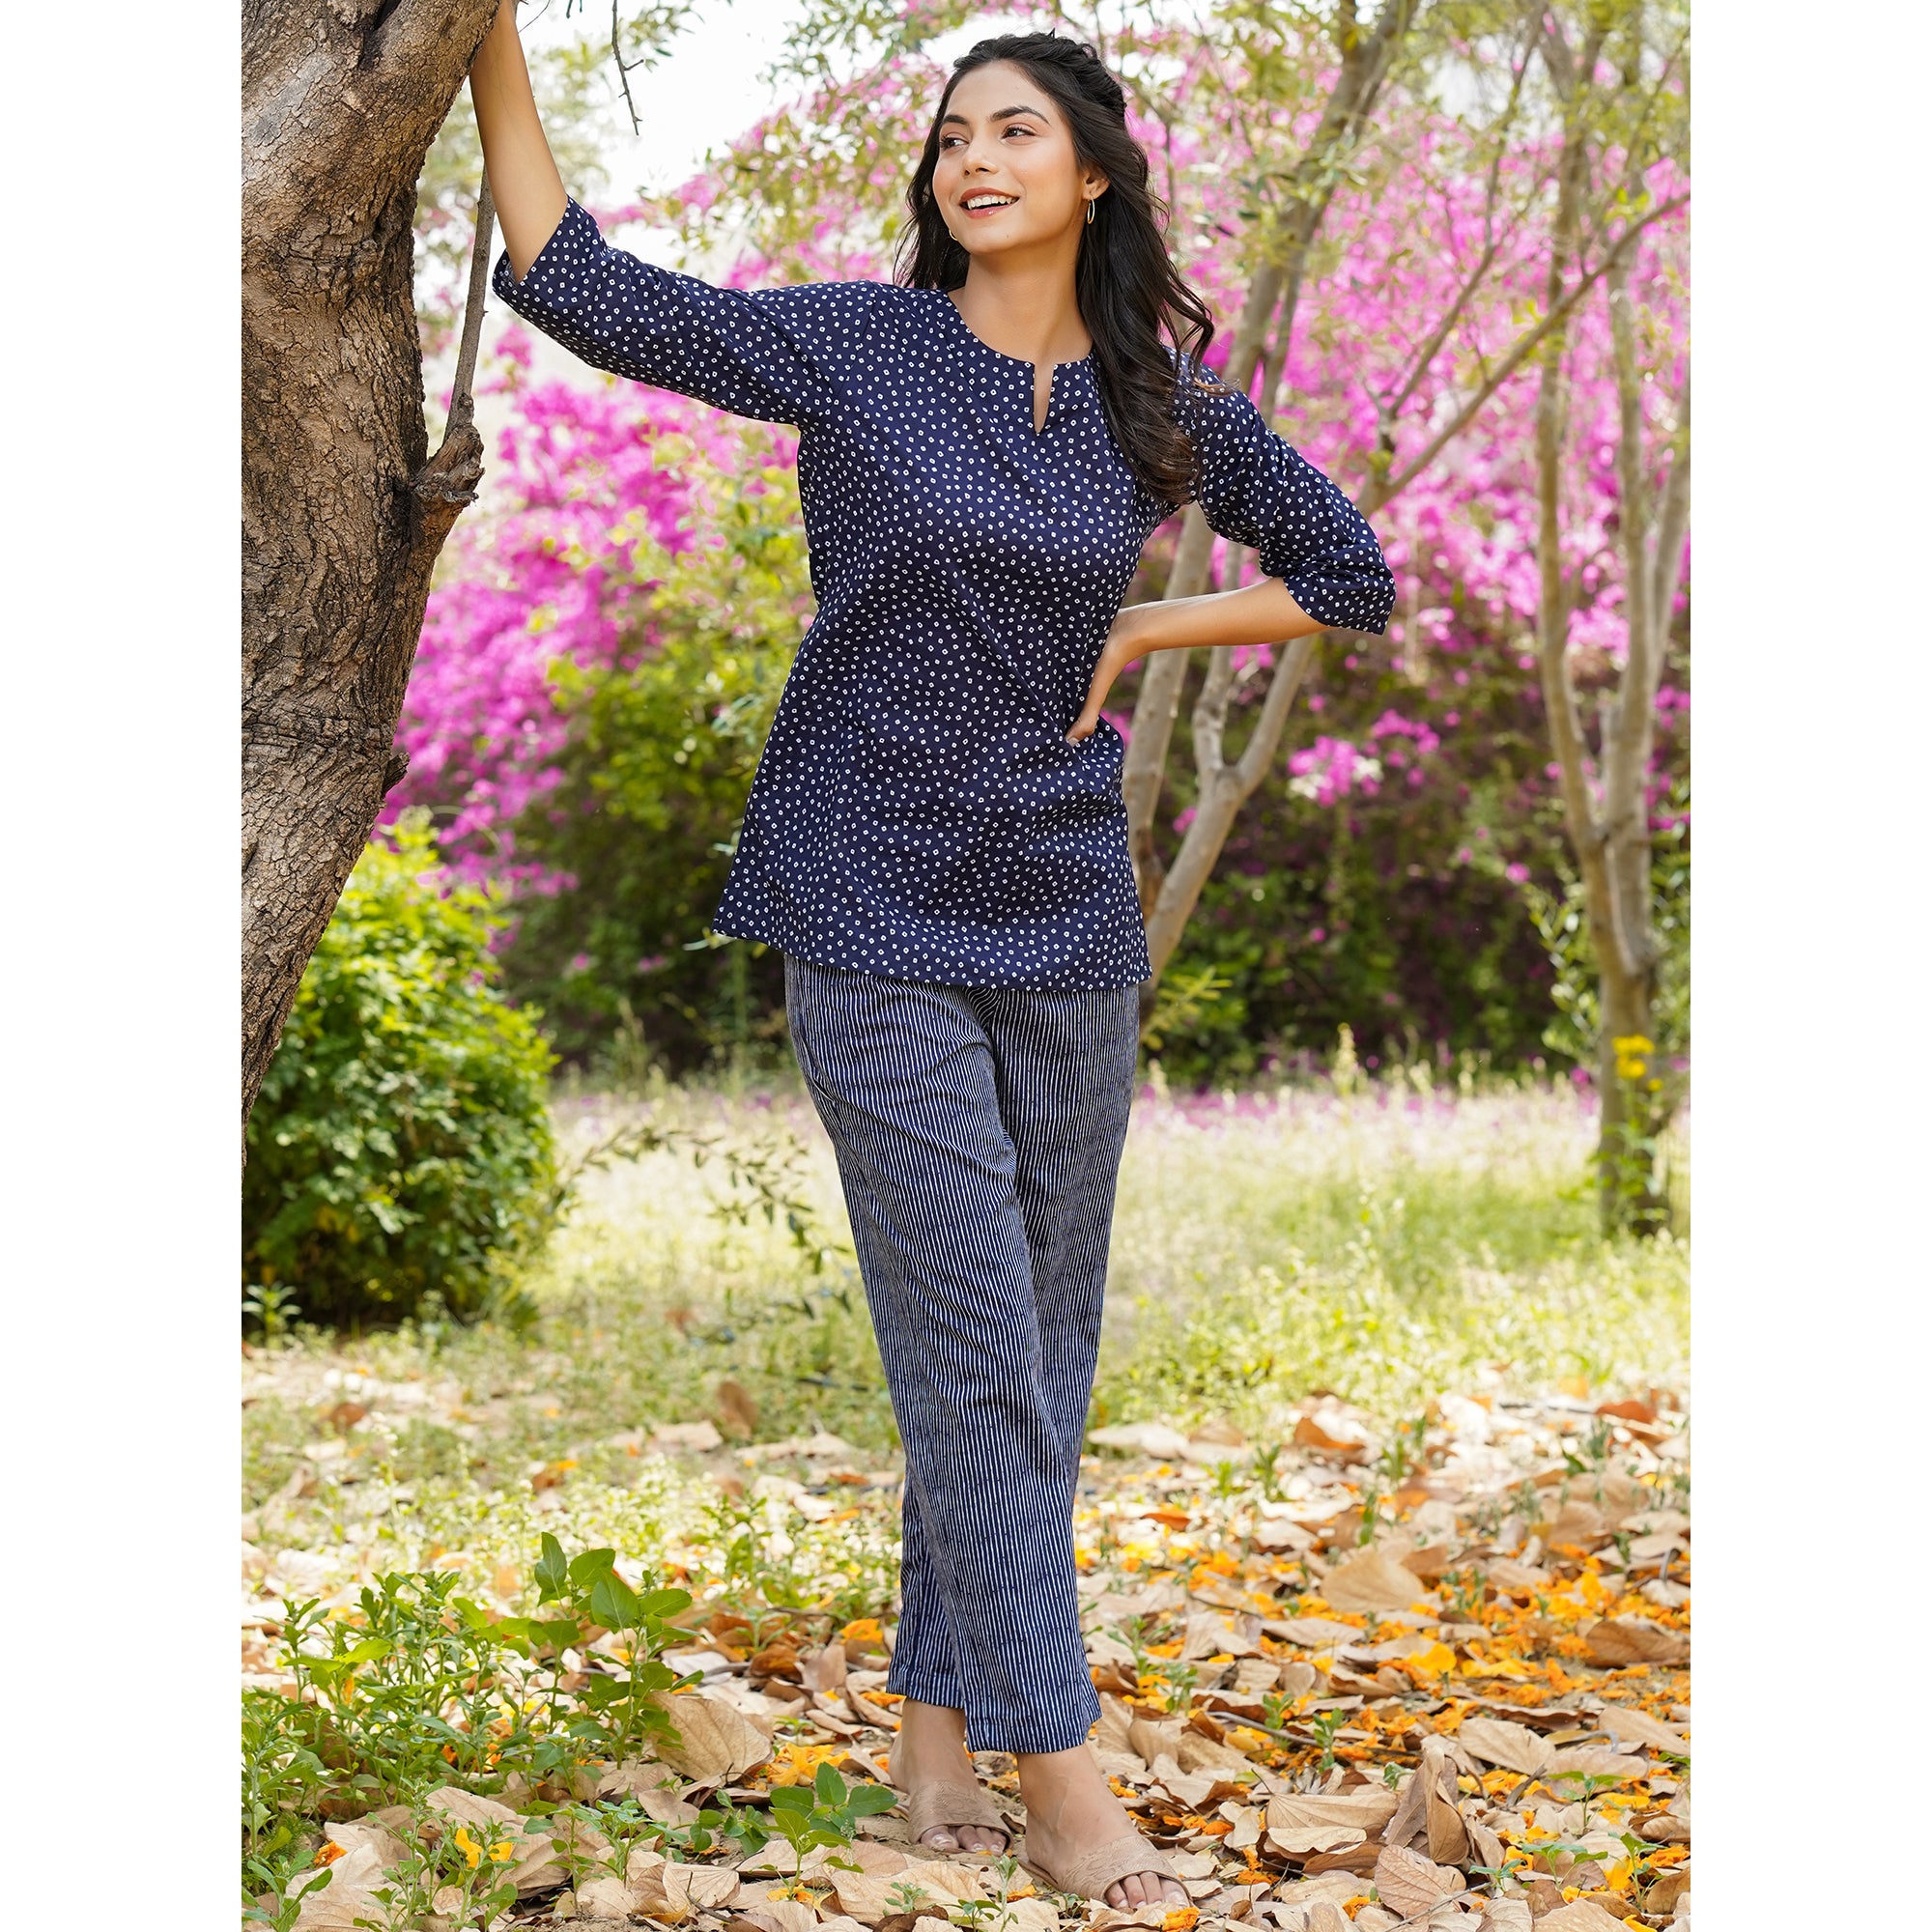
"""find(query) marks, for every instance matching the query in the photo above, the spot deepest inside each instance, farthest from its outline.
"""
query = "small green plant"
(1267, 1469)
(281, 1777)
(1463, 1594)
(272, 1310)
(1407, 1453)
(826, 1811)
(619, 1712)
(457, 1873)
(1326, 1725)
(1185, 995)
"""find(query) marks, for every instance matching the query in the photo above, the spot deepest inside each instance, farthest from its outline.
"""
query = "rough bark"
(343, 508)
(1365, 56)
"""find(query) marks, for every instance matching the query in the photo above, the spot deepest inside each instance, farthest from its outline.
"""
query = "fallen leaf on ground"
(1413, 1884)
(1635, 1640)
(1513, 1747)
(718, 1743)
(1374, 1581)
(1578, 1915)
(1639, 1727)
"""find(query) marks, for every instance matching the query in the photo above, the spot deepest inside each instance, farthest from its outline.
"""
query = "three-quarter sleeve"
(773, 354)
(1257, 489)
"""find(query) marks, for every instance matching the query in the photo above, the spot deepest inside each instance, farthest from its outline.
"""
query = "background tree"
(1618, 71)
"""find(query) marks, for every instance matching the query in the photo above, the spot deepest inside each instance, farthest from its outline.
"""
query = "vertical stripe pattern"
(978, 1132)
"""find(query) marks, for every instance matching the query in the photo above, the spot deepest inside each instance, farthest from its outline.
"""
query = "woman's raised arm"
(523, 180)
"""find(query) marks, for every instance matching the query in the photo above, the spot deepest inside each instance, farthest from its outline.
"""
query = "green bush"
(400, 1153)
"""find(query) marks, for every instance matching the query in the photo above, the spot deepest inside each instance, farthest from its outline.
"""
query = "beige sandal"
(1092, 1873)
(947, 1804)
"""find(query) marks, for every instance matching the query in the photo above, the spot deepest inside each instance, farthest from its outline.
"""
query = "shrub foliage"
(400, 1154)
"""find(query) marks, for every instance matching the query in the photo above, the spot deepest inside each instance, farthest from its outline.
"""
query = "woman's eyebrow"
(1000, 114)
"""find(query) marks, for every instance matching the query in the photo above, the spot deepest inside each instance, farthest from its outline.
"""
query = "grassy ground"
(1387, 1245)
(1394, 1247)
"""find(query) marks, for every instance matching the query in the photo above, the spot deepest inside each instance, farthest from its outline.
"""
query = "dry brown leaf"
(1576, 1522)
(780, 1915)
(1297, 1679)
(1485, 1849)
(1496, 1741)
(1324, 1915)
(823, 1669)
(1370, 1582)
(1635, 1640)
(1578, 1915)
(1367, 1811)
(1025, 1915)
(1412, 1884)
(689, 1436)
(1665, 1890)
(1448, 1837)
(1312, 1632)
(1209, 1634)
(1276, 1532)
(737, 1412)
(1508, 1575)
(1144, 1438)
(1506, 1915)
(607, 1899)
(1330, 1430)
(1431, 1563)
(719, 1743)
(1299, 1840)
(368, 1852)
(1639, 1727)
(1593, 1761)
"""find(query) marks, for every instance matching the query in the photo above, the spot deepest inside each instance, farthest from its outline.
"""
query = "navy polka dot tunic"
(918, 811)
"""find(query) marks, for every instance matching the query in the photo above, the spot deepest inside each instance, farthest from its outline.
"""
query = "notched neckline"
(1032, 369)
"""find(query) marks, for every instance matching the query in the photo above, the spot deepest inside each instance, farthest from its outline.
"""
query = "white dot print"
(918, 811)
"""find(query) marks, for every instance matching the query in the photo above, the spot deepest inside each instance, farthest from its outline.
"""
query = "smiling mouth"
(989, 203)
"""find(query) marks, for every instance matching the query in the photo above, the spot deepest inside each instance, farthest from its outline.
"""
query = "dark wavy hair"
(1124, 280)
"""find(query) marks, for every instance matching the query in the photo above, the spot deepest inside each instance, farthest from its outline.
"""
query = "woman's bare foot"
(931, 1747)
(1069, 1808)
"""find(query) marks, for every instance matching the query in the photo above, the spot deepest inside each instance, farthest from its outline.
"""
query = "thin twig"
(461, 400)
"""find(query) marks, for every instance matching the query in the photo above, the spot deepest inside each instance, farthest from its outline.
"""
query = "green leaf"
(614, 1603)
(791, 1797)
(552, 1573)
(827, 1786)
(586, 1570)
(668, 1603)
(868, 1799)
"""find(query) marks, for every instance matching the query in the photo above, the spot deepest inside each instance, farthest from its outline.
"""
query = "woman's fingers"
(1104, 675)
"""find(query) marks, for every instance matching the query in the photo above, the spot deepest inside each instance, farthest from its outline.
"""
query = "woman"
(935, 838)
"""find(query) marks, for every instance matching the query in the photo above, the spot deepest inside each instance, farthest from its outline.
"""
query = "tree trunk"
(343, 511)
(1366, 57)
(1609, 830)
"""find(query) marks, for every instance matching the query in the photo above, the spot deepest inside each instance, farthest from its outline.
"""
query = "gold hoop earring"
(1091, 200)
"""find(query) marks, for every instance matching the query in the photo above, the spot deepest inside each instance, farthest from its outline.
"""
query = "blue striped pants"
(979, 1133)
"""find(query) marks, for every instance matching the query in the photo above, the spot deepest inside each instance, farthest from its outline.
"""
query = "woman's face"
(1005, 145)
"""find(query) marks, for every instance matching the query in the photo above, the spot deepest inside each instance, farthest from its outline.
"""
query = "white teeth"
(989, 200)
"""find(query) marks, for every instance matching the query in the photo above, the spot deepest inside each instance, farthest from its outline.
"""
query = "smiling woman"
(935, 838)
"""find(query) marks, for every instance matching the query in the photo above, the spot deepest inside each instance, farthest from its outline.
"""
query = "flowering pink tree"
(1400, 283)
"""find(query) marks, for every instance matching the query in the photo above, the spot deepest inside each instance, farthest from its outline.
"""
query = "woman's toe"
(940, 1840)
